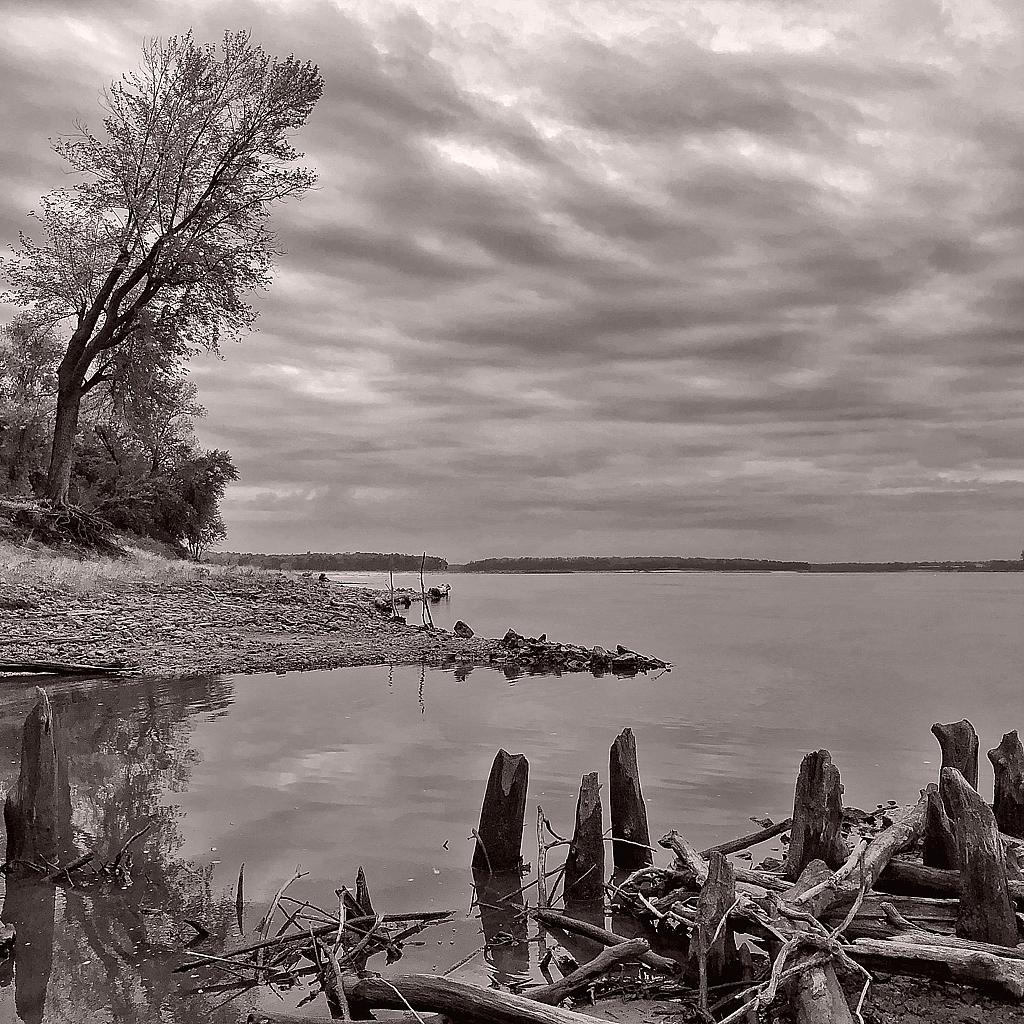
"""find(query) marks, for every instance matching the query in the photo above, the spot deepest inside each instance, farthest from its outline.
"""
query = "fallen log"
(591, 931)
(966, 967)
(454, 999)
(687, 857)
(908, 878)
(553, 994)
(817, 816)
(745, 842)
(60, 668)
(986, 913)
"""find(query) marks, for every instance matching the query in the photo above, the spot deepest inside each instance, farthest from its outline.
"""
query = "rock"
(511, 638)
(600, 654)
(462, 629)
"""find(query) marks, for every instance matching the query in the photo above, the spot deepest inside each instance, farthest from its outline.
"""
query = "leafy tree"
(166, 235)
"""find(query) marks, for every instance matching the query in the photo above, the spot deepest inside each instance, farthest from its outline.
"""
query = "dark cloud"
(738, 280)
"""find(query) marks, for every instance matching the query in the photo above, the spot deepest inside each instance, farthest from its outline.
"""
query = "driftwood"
(967, 967)
(553, 994)
(713, 949)
(959, 745)
(60, 668)
(1008, 764)
(591, 931)
(687, 857)
(745, 842)
(500, 835)
(584, 864)
(986, 913)
(466, 1002)
(940, 849)
(817, 816)
(631, 841)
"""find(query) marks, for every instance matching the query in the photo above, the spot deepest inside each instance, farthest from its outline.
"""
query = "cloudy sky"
(611, 276)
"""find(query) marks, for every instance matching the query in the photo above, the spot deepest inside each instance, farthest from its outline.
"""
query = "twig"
(264, 925)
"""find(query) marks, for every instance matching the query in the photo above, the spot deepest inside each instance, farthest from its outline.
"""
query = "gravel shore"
(176, 620)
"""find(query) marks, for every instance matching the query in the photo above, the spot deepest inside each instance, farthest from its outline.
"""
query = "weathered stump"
(584, 865)
(714, 960)
(500, 835)
(817, 816)
(940, 846)
(1008, 764)
(37, 812)
(959, 745)
(986, 913)
(631, 842)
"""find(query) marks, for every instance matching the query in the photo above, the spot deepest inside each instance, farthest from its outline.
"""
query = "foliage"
(157, 248)
(321, 561)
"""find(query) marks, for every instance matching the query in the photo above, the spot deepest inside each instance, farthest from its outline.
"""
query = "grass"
(42, 568)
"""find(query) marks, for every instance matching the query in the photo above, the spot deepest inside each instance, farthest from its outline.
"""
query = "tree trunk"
(631, 841)
(1008, 763)
(500, 835)
(817, 816)
(58, 479)
(959, 745)
(584, 866)
(986, 913)
(940, 849)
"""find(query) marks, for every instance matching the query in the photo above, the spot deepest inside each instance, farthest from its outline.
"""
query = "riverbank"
(160, 617)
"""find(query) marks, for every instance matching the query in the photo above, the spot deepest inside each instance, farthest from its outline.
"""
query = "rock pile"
(538, 654)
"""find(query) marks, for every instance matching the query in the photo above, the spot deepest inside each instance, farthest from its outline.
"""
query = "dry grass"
(23, 568)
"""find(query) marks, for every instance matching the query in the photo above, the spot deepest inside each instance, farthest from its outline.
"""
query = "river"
(385, 767)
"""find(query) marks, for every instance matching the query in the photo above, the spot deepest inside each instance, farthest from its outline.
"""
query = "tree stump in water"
(959, 745)
(817, 816)
(1008, 763)
(940, 846)
(986, 913)
(37, 811)
(584, 865)
(500, 835)
(631, 842)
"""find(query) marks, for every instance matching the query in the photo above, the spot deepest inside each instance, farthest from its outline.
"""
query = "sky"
(724, 278)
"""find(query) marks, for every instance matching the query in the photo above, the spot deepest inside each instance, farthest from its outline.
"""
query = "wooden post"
(631, 842)
(959, 745)
(500, 835)
(817, 816)
(37, 811)
(1008, 764)
(584, 865)
(986, 913)
(940, 848)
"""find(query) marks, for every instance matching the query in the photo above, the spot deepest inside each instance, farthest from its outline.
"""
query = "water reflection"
(502, 915)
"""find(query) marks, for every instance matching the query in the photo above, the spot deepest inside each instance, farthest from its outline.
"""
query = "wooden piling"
(986, 913)
(817, 816)
(959, 745)
(631, 842)
(1008, 764)
(500, 834)
(37, 812)
(713, 956)
(584, 865)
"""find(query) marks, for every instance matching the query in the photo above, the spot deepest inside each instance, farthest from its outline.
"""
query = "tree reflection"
(110, 953)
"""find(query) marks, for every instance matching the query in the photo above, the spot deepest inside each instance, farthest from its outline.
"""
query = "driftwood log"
(584, 864)
(1008, 764)
(959, 745)
(571, 924)
(986, 913)
(713, 947)
(499, 842)
(553, 994)
(817, 816)
(631, 841)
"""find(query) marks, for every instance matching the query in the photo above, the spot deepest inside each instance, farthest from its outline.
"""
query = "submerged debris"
(538, 654)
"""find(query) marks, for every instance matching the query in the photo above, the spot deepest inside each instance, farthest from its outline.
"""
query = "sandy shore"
(173, 620)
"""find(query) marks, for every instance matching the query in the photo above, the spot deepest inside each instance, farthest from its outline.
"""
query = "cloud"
(734, 278)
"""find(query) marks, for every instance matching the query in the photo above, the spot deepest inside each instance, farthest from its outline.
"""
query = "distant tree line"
(653, 563)
(320, 561)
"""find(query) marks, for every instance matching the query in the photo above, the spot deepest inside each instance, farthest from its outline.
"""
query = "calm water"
(386, 767)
